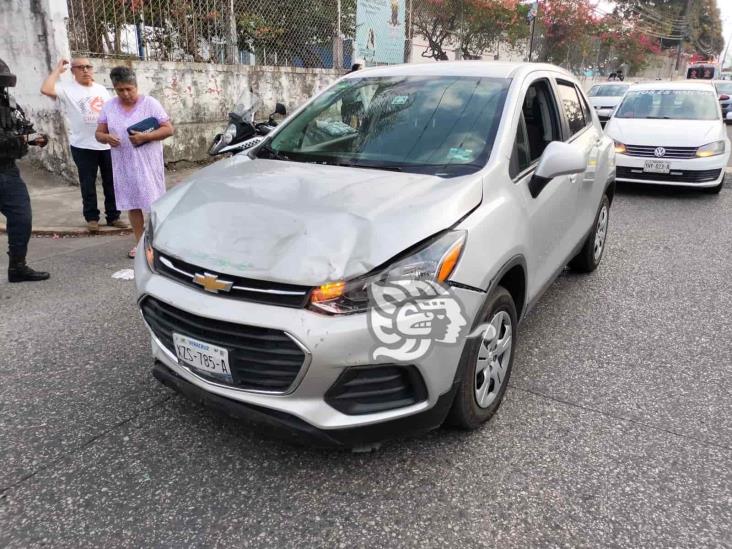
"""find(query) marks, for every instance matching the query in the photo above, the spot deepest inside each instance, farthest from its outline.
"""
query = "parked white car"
(605, 97)
(362, 273)
(671, 133)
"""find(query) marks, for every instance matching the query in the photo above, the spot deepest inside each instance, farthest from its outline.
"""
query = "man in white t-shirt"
(81, 99)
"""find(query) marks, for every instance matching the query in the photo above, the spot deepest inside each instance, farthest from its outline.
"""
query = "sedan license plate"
(202, 356)
(657, 166)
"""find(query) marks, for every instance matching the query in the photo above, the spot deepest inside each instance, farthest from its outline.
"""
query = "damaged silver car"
(361, 274)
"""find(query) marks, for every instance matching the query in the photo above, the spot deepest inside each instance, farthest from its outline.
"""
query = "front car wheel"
(486, 363)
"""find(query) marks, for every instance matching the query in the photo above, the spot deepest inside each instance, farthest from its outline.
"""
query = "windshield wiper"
(374, 167)
(659, 117)
(272, 154)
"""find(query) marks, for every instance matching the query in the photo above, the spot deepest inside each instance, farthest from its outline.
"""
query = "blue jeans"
(16, 207)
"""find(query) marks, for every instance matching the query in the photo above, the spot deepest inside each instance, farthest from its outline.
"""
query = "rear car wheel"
(590, 255)
(486, 365)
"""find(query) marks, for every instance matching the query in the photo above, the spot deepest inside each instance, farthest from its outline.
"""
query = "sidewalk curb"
(72, 231)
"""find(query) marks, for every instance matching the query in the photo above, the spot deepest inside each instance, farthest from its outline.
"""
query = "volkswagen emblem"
(659, 152)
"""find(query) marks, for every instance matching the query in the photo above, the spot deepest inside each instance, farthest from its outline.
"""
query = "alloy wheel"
(494, 356)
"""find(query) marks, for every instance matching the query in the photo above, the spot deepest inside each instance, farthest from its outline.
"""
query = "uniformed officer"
(16, 133)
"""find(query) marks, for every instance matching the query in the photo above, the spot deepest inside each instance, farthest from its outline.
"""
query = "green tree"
(471, 26)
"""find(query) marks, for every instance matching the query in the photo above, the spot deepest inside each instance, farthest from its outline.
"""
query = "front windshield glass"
(608, 90)
(439, 125)
(670, 104)
(724, 87)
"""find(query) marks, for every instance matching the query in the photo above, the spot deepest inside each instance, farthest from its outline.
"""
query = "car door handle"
(573, 178)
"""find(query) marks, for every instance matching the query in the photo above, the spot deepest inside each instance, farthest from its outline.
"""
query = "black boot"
(18, 271)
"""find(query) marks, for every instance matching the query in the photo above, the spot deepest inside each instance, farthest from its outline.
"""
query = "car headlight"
(710, 149)
(619, 147)
(147, 242)
(435, 262)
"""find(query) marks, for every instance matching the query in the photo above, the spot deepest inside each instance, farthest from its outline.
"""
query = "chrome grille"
(246, 289)
(649, 151)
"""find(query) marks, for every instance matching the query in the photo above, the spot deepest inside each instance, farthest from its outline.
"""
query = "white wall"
(199, 96)
(32, 39)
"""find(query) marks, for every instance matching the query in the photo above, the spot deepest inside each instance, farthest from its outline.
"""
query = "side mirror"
(280, 109)
(561, 159)
(557, 159)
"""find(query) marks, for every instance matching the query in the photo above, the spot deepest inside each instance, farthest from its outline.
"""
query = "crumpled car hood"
(304, 223)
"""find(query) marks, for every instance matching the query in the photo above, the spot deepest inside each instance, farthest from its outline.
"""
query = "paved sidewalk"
(57, 205)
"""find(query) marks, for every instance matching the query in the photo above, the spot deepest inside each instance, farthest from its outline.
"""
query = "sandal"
(131, 254)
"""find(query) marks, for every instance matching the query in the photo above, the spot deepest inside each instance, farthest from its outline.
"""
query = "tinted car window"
(520, 158)
(585, 109)
(439, 125)
(572, 107)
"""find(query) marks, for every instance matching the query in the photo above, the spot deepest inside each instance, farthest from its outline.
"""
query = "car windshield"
(608, 90)
(437, 125)
(670, 104)
(724, 87)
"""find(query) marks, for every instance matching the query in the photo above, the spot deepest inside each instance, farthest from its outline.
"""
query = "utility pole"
(533, 26)
(338, 42)
(684, 35)
(232, 54)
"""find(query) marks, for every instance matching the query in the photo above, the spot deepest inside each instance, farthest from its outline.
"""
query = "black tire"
(716, 189)
(587, 260)
(466, 413)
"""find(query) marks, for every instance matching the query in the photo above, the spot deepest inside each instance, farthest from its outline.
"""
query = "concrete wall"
(32, 39)
(198, 96)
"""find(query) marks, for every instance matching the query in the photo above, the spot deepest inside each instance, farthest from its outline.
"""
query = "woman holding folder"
(134, 126)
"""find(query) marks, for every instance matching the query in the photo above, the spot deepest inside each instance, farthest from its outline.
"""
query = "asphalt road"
(616, 429)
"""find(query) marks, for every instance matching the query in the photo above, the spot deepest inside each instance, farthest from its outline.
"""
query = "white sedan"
(670, 133)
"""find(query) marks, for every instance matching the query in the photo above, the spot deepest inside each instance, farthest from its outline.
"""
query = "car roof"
(489, 69)
(677, 85)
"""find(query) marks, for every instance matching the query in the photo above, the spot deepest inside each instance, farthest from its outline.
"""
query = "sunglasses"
(83, 67)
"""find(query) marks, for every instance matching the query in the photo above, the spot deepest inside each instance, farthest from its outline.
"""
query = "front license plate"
(657, 166)
(207, 358)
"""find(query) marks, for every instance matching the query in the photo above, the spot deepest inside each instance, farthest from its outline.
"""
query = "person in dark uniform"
(16, 133)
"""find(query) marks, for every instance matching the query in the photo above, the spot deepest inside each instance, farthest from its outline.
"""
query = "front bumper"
(688, 167)
(293, 429)
(333, 344)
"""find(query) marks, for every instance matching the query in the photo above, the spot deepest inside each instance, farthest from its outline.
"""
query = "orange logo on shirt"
(96, 103)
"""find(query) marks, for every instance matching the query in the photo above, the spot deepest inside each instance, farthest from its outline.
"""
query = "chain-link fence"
(301, 33)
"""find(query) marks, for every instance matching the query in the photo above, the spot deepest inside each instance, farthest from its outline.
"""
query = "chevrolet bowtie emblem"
(211, 283)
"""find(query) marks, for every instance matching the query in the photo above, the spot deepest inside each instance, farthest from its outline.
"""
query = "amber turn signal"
(329, 291)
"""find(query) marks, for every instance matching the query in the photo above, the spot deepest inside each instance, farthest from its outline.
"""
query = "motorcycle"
(242, 132)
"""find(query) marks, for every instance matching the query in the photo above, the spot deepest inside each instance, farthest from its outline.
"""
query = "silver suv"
(362, 272)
